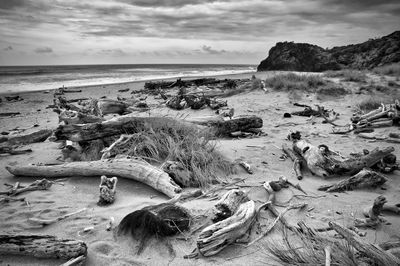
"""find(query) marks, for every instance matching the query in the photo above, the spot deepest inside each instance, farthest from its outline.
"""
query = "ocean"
(33, 78)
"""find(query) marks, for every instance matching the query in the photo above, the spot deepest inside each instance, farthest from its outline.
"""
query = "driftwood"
(12, 151)
(297, 160)
(44, 222)
(374, 252)
(134, 169)
(364, 178)
(116, 126)
(76, 261)
(216, 237)
(372, 214)
(41, 246)
(228, 204)
(323, 162)
(129, 125)
(17, 189)
(107, 106)
(107, 190)
(37, 136)
(75, 117)
(9, 114)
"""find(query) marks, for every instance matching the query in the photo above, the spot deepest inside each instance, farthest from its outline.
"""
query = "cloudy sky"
(181, 31)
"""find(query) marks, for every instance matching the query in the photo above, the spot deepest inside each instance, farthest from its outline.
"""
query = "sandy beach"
(263, 153)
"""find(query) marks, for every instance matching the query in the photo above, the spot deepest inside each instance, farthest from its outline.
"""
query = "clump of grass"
(305, 249)
(291, 81)
(390, 70)
(167, 139)
(332, 90)
(369, 104)
(347, 75)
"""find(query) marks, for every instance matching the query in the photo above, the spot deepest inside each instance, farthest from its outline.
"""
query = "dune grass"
(347, 75)
(172, 140)
(305, 249)
(369, 104)
(390, 70)
(308, 83)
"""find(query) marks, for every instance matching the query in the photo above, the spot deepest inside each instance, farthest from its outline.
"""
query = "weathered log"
(323, 162)
(228, 204)
(37, 136)
(297, 160)
(374, 252)
(364, 178)
(216, 237)
(75, 117)
(116, 126)
(41, 246)
(134, 169)
(224, 128)
(107, 106)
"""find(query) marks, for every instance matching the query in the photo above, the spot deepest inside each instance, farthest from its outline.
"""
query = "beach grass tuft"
(390, 70)
(347, 75)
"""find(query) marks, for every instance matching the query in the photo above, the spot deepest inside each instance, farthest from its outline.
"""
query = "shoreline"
(133, 82)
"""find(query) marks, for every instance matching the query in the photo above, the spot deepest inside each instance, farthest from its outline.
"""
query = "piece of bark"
(218, 236)
(297, 160)
(390, 244)
(134, 169)
(41, 246)
(364, 178)
(374, 252)
(75, 117)
(37, 136)
(372, 214)
(228, 204)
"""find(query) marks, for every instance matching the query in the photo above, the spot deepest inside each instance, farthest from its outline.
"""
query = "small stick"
(328, 255)
(74, 261)
(44, 222)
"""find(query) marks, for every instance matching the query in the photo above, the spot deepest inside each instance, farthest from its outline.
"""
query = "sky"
(42, 32)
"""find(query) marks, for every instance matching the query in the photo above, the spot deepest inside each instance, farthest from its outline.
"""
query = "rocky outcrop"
(307, 57)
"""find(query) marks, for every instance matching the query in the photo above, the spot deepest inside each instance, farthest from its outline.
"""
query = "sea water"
(33, 78)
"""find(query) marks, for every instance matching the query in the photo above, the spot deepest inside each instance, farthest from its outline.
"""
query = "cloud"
(8, 48)
(209, 50)
(112, 52)
(43, 50)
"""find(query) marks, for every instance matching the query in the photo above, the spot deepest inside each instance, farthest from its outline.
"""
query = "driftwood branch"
(372, 251)
(364, 178)
(41, 246)
(44, 222)
(134, 169)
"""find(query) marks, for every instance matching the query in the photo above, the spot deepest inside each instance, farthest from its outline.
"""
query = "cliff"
(307, 57)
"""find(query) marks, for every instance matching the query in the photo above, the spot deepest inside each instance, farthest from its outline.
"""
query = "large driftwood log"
(216, 237)
(36, 136)
(107, 106)
(134, 169)
(225, 127)
(228, 204)
(323, 162)
(115, 126)
(41, 246)
(364, 178)
(374, 252)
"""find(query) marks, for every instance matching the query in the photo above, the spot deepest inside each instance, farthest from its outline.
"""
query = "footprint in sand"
(102, 248)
